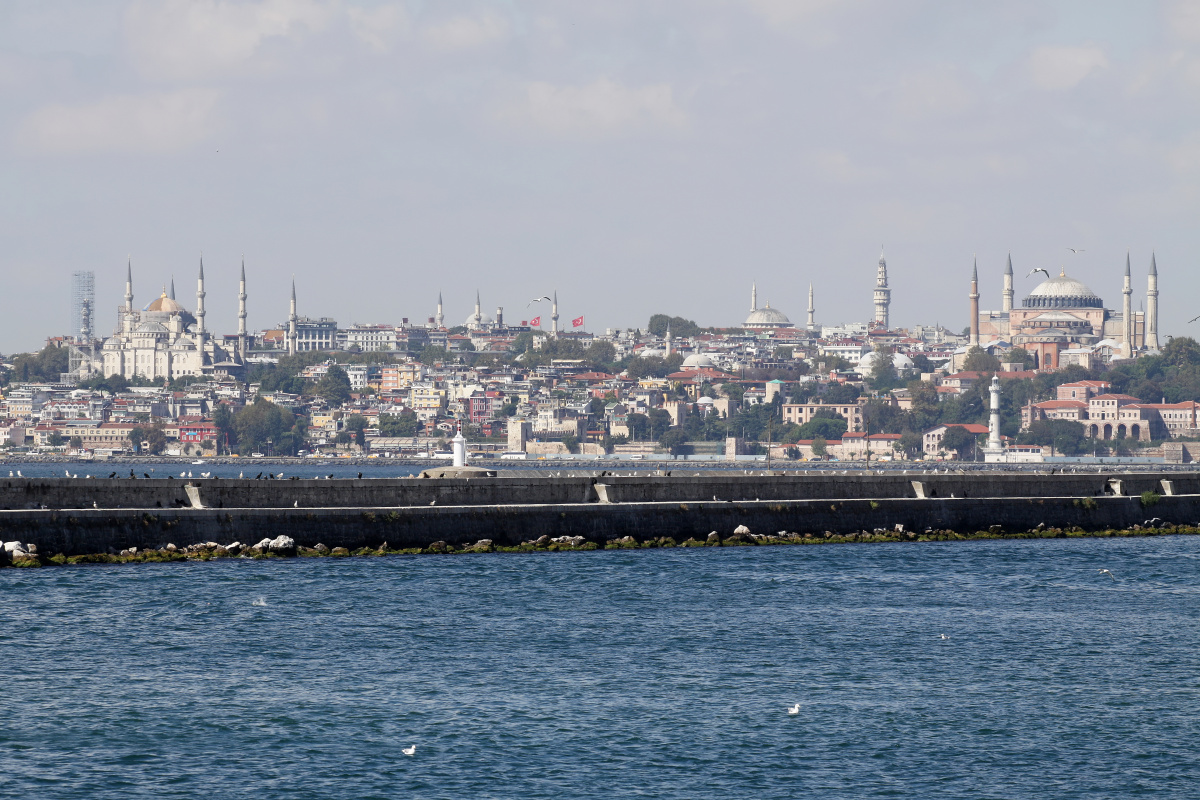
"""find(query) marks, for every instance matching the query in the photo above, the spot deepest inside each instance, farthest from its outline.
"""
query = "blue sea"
(612, 674)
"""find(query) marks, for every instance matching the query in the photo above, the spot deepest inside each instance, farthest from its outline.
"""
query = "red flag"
(577, 322)
(535, 321)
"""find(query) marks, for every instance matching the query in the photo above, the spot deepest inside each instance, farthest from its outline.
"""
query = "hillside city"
(1074, 379)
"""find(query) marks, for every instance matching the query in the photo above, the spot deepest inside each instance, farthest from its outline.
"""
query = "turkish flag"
(577, 322)
(535, 321)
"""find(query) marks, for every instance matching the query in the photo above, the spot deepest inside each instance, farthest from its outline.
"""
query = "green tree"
(260, 421)
(76, 442)
(334, 386)
(55, 439)
(819, 447)
(674, 440)
(357, 424)
(1067, 437)
(403, 424)
(958, 440)
(600, 355)
(433, 354)
(223, 422)
(571, 443)
(911, 444)
(679, 326)
(980, 360)
(823, 428)
(156, 439)
(137, 435)
(883, 375)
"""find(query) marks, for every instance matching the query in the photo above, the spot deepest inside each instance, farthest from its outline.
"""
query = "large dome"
(767, 317)
(1062, 291)
(696, 361)
(164, 304)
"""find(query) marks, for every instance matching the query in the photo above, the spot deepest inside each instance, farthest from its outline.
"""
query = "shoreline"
(211, 551)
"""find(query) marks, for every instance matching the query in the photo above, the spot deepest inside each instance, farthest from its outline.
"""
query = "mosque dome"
(165, 305)
(767, 317)
(484, 319)
(696, 361)
(1062, 291)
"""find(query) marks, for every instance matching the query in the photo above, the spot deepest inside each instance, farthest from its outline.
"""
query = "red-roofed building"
(931, 440)
(856, 445)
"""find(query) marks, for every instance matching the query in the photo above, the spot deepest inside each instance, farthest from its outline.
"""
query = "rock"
(899, 527)
(484, 545)
(262, 546)
(31, 549)
(320, 548)
(283, 545)
(219, 551)
(170, 548)
(741, 529)
(339, 551)
(437, 547)
(625, 541)
(14, 547)
(544, 540)
(234, 548)
(714, 538)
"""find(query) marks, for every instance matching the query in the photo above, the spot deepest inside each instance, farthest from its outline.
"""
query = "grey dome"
(1062, 291)
(767, 317)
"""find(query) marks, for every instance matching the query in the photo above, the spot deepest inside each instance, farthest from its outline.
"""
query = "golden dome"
(165, 304)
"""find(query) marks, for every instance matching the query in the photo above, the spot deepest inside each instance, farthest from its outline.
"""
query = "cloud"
(163, 122)
(789, 12)
(195, 38)
(931, 92)
(1060, 67)
(378, 26)
(1183, 18)
(839, 167)
(602, 108)
(465, 32)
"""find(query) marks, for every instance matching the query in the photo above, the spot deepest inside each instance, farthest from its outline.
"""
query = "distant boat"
(198, 462)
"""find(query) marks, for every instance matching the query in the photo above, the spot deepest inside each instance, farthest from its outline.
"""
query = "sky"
(637, 157)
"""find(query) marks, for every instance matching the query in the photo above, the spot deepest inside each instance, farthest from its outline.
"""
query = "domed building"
(165, 341)
(698, 361)
(764, 318)
(1063, 313)
(901, 362)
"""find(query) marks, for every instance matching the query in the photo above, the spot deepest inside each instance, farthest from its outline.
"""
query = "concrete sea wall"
(117, 493)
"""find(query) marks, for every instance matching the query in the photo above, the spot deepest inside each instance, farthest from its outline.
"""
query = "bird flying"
(537, 300)
(1106, 572)
(1038, 269)
(1077, 251)
(1193, 319)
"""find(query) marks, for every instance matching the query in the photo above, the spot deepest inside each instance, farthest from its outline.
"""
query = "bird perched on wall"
(360, 476)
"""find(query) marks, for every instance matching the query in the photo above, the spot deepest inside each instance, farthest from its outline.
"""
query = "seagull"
(19, 475)
(794, 709)
(241, 475)
(280, 476)
(296, 504)
(1106, 572)
(408, 751)
(189, 473)
(1080, 250)
(183, 474)
(1038, 269)
(94, 504)
(68, 472)
(943, 636)
(205, 474)
(10, 473)
(537, 300)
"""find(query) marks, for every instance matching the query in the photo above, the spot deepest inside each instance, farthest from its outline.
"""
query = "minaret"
(1127, 312)
(812, 310)
(199, 298)
(1152, 306)
(172, 294)
(883, 295)
(478, 317)
(554, 315)
(754, 296)
(292, 322)
(439, 317)
(975, 305)
(129, 287)
(242, 312)
(667, 352)
(994, 422)
(1007, 295)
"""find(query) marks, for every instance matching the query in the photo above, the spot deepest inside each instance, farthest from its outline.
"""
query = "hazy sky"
(639, 157)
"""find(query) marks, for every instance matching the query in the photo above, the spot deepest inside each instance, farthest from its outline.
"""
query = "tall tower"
(667, 351)
(1152, 306)
(883, 295)
(478, 315)
(1127, 312)
(812, 310)
(975, 305)
(994, 444)
(554, 315)
(129, 287)
(83, 303)
(172, 294)
(499, 316)
(242, 312)
(199, 298)
(754, 296)
(292, 344)
(439, 317)
(1007, 295)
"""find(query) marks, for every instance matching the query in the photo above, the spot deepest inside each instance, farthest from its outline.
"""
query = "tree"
(76, 442)
(156, 439)
(571, 443)
(841, 393)
(823, 428)
(883, 375)
(819, 447)
(403, 424)
(55, 439)
(674, 440)
(679, 326)
(639, 426)
(660, 421)
(357, 424)
(223, 422)
(958, 440)
(1066, 436)
(334, 386)
(911, 444)
(137, 435)
(600, 355)
(260, 421)
(980, 360)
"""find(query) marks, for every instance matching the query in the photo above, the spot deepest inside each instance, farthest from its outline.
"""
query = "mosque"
(165, 341)
(1062, 313)
(767, 318)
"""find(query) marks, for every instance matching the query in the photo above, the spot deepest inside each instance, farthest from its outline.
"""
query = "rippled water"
(612, 674)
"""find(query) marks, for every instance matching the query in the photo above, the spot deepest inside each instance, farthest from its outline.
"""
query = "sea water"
(663, 673)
